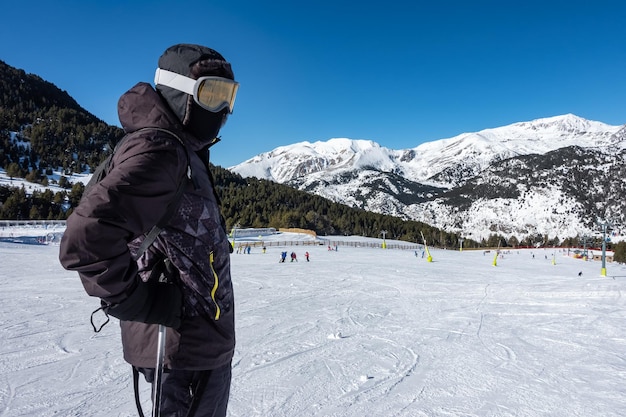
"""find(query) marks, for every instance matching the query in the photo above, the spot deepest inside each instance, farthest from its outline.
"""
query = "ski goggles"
(210, 93)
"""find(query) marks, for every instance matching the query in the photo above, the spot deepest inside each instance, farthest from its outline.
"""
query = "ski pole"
(156, 399)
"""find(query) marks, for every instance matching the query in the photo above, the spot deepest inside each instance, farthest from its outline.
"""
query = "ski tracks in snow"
(349, 340)
(51, 362)
(351, 333)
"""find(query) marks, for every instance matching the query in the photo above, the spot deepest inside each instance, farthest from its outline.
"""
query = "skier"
(283, 256)
(306, 255)
(294, 257)
(195, 92)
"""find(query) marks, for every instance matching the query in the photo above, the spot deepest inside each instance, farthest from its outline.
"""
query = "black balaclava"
(194, 61)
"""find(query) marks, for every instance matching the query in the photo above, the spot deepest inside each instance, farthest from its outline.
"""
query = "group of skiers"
(294, 257)
(244, 249)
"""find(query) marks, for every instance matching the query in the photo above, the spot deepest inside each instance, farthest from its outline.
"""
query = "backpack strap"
(157, 228)
(136, 389)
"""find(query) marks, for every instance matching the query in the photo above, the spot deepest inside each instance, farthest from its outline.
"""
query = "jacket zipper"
(215, 286)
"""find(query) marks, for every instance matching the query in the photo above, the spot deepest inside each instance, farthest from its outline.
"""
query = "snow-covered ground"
(31, 186)
(354, 332)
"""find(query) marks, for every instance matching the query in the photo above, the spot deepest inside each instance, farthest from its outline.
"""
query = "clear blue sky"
(396, 72)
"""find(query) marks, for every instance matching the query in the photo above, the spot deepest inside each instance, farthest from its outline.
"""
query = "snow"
(474, 150)
(358, 331)
(29, 187)
(303, 158)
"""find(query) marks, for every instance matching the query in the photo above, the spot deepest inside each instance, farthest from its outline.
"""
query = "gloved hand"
(151, 302)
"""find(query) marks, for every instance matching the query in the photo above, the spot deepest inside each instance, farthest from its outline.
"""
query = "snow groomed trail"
(354, 332)
(383, 333)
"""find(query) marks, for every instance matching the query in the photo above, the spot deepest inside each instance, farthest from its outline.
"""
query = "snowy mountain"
(552, 176)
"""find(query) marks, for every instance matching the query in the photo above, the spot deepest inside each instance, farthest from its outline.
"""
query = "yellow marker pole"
(234, 232)
(495, 258)
(428, 258)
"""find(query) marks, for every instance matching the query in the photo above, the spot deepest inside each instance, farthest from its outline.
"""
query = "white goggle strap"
(174, 80)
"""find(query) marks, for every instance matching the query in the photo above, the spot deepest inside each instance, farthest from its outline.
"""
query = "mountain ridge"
(419, 183)
(427, 159)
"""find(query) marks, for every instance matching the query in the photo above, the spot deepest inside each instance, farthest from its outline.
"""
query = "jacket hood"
(142, 106)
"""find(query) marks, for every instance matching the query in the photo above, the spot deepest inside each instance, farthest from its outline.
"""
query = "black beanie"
(193, 61)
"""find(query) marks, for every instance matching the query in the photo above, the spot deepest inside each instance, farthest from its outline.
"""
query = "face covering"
(205, 125)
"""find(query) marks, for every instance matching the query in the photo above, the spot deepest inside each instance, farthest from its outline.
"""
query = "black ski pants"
(193, 393)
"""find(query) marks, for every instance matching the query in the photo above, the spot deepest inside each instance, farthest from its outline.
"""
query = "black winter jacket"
(107, 227)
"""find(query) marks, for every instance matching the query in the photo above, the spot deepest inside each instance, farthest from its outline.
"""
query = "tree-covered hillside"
(251, 202)
(50, 129)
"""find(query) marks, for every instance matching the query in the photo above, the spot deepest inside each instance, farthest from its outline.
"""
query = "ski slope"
(354, 332)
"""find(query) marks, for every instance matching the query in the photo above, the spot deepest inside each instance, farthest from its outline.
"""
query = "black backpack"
(102, 170)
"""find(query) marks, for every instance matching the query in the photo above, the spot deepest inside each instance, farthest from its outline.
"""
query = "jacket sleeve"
(132, 198)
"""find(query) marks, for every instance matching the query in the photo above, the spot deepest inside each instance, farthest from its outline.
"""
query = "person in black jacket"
(183, 279)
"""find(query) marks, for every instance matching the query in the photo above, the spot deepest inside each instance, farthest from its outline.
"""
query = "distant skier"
(283, 256)
(294, 257)
(306, 255)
